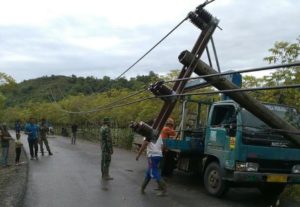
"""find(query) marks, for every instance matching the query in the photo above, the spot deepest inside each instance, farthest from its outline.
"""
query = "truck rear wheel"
(213, 182)
(271, 189)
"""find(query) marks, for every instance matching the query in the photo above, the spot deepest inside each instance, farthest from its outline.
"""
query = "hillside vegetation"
(46, 88)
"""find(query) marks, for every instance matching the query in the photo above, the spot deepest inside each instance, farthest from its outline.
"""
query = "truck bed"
(188, 144)
(192, 141)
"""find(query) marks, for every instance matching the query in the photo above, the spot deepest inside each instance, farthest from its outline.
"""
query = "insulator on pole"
(159, 89)
(204, 14)
(143, 129)
(198, 22)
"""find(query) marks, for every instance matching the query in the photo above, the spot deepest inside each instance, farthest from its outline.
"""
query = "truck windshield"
(256, 132)
(287, 113)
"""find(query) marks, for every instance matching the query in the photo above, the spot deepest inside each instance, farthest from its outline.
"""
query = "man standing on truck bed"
(167, 162)
(168, 130)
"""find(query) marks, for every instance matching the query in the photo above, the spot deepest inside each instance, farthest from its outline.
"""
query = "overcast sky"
(102, 38)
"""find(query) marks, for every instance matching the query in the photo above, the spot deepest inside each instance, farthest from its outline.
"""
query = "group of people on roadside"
(37, 135)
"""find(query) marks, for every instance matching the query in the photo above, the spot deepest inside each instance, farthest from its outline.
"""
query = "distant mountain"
(48, 87)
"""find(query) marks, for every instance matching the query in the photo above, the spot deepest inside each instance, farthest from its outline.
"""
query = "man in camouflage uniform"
(107, 148)
(43, 130)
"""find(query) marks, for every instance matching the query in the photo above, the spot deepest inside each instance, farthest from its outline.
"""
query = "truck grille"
(274, 166)
(266, 139)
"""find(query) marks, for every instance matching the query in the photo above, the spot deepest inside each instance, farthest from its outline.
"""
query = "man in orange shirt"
(168, 130)
(168, 160)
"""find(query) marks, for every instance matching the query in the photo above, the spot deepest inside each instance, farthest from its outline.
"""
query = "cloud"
(100, 38)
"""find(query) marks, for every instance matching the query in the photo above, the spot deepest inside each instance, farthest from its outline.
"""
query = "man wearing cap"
(106, 147)
(43, 137)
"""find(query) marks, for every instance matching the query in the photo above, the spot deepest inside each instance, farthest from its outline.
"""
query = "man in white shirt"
(154, 155)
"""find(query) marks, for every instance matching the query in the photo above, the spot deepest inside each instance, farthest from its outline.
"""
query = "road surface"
(71, 178)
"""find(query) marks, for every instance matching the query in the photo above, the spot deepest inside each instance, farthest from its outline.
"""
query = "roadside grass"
(292, 192)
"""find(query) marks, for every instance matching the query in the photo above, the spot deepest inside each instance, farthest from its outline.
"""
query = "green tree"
(284, 52)
(6, 83)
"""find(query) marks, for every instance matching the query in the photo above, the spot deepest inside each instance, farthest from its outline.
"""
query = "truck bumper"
(266, 177)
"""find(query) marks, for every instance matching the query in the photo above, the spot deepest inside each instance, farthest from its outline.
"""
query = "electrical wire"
(137, 61)
(112, 104)
(152, 48)
(203, 93)
(147, 52)
(185, 94)
(115, 101)
(273, 67)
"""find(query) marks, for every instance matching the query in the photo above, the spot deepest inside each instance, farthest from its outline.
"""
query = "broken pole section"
(244, 99)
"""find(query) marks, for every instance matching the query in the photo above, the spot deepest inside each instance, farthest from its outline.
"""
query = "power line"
(202, 93)
(185, 94)
(239, 71)
(148, 51)
(102, 106)
(121, 99)
(141, 58)
(245, 90)
(152, 48)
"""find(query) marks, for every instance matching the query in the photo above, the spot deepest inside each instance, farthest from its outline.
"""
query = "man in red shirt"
(168, 130)
(167, 162)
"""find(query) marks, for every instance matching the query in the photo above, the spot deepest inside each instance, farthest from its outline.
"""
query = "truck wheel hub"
(214, 179)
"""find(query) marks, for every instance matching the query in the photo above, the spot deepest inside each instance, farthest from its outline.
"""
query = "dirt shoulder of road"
(290, 196)
(13, 179)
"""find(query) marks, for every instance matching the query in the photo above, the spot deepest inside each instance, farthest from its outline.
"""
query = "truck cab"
(235, 148)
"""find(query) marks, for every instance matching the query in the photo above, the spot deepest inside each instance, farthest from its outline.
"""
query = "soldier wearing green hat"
(106, 147)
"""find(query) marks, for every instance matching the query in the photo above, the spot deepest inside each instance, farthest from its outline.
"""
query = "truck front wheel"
(213, 182)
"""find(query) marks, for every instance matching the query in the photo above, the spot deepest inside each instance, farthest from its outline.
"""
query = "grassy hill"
(42, 89)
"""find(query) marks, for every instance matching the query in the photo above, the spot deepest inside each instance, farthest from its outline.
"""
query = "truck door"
(220, 136)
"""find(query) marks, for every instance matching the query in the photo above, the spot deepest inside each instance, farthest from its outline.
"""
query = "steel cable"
(185, 94)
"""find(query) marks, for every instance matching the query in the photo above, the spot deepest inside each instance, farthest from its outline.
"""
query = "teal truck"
(230, 146)
(235, 142)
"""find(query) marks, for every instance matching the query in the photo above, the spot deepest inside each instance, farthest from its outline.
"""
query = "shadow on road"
(236, 196)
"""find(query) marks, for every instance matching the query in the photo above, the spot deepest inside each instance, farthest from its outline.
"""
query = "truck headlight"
(296, 169)
(247, 166)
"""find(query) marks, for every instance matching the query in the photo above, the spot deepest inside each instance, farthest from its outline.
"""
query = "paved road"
(70, 178)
